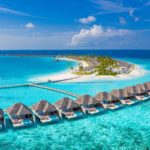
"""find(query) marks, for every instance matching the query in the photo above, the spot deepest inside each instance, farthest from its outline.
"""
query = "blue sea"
(124, 129)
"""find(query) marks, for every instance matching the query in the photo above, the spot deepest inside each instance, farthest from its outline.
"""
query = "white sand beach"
(70, 76)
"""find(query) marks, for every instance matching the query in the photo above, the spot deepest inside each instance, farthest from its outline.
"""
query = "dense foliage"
(104, 66)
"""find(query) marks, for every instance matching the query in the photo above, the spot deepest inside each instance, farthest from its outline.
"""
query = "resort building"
(108, 100)
(147, 85)
(135, 92)
(122, 95)
(45, 112)
(20, 115)
(69, 108)
(89, 104)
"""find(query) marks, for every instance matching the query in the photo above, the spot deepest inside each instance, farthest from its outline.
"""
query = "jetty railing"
(55, 90)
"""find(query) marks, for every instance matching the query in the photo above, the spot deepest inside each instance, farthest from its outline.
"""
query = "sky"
(74, 24)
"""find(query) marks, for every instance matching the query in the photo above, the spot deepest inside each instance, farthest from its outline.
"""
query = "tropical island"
(100, 66)
(92, 68)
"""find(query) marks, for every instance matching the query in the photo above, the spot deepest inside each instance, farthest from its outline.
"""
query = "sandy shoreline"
(136, 72)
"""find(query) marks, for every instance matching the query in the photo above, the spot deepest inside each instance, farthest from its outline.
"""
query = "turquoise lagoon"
(124, 129)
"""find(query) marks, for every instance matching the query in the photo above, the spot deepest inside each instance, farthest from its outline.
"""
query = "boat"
(69, 108)
(90, 104)
(20, 115)
(45, 112)
(2, 120)
(108, 101)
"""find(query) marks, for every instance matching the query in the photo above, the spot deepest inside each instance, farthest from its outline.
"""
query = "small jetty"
(23, 116)
(56, 90)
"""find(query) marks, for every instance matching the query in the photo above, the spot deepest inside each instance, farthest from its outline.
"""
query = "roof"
(86, 100)
(1, 113)
(120, 93)
(19, 109)
(104, 96)
(66, 103)
(123, 64)
(44, 106)
(133, 90)
(147, 85)
(142, 88)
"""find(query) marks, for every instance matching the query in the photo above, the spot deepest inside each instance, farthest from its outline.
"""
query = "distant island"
(101, 65)
(91, 68)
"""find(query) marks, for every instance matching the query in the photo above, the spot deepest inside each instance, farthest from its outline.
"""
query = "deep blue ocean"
(145, 54)
(124, 129)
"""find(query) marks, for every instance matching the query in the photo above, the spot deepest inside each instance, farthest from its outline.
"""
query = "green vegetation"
(106, 65)
(100, 65)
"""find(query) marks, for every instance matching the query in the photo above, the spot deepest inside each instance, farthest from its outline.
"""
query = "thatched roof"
(102, 96)
(120, 93)
(147, 85)
(66, 103)
(133, 90)
(142, 88)
(87, 100)
(44, 106)
(19, 109)
(1, 114)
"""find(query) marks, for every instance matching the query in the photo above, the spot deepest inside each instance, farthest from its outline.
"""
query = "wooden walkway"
(19, 85)
(55, 90)
(14, 86)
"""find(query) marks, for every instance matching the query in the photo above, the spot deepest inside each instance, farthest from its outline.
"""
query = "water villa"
(69, 108)
(108, 100)
(144, 91)
(20, 115)
(122, 96)
(45, 112)
(2, 120)
(135, 93)
(147, 86)
(90, 104)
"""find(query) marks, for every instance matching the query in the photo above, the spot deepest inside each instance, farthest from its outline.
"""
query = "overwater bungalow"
(90, 104)
(143, 92)
(147, 86)
(122, 95)
(45, 112)
(20, 115)
(2, 120)
(108, 101)
(135, 93)
(69, 108)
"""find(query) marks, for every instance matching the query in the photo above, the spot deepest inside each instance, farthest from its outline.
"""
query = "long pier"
(37, 85)
(55, 90)
(19, 85)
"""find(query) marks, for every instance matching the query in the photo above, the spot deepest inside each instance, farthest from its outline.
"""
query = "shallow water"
(127, 128)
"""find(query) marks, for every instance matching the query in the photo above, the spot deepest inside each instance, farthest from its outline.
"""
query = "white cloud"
(108, 7)
(147, 4)
(122, 20)
(95, 33)
(87, 20)
(136, 19)
(30, 25)
(131, 12)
